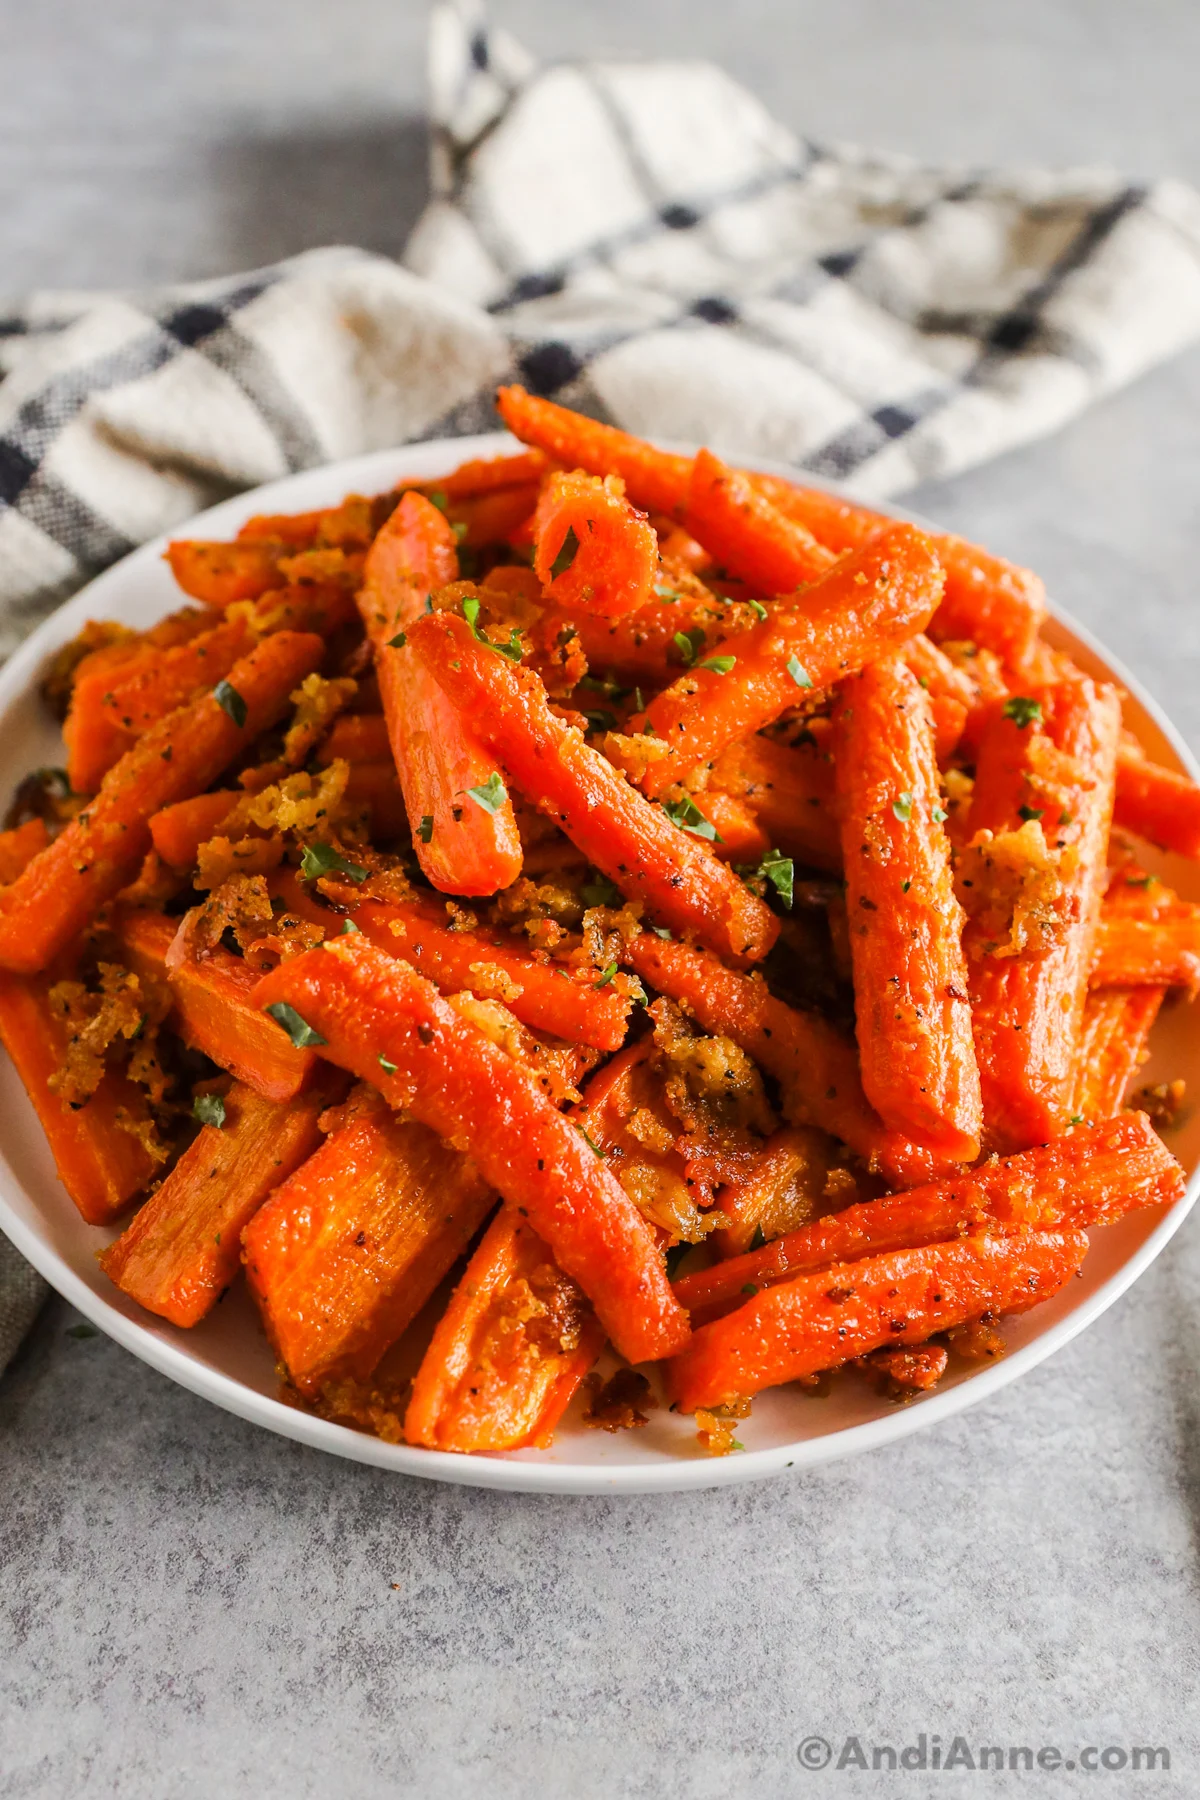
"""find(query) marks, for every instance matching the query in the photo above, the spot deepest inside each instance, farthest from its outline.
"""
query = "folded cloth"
(641, 241)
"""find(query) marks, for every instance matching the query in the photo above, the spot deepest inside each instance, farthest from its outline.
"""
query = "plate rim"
(511, 1472)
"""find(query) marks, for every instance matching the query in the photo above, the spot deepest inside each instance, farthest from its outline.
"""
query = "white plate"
(226, 1359)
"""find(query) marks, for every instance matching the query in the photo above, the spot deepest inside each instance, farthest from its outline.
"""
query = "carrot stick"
(101, 850)
(219, 573)
(592, 551)
(1160, 952)
(485, 474)
(857, 612)
(356, 738)
(740, 835)
(214, 1010)
(178, 831)
(373, 1010)
(639, 647)
(1028, 1007)
(101, 1161)
(19, 846)
(465, 848)
(297, 530)
(509, 1352)
(635, 844)
(376, 788)
(952, 694)
(1157, 803)
(319, 606)
(790, 792)
(817, 1322)
(493, 518)
(744, 533)
(92, 731)
(349, 1248)
(1089, 1177)
(654, 479)
(816, 1067)
(177, 1256)
(910, 976)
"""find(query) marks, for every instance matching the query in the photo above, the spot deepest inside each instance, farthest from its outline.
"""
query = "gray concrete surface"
(191, 1608)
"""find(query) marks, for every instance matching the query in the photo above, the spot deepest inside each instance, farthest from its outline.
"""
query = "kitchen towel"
(641, 241)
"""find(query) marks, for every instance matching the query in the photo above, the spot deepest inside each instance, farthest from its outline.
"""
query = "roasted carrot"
(297, 530)
(592, 551)
(100, 851)
(635, 844)
(464, 848)
(910, 977)
(373, 1010)
(791, 793)
(178, 831)
(220, 573)
(740, 836)
(1159, 952)
(818, 1322)
(625, 1114)
(19, 846)
(356, 738)
(184, 1247)
(952, 694)
(746, 534)
(1088, 1177)
(788, 1182)
(1157, 803)
(654, 479)
(349, 1248)
(375, 789)
(485, 474)
(814, 1064)
(92, 729)
(1027, 1001)
(481, 520)
(214, 1010)
(1112, 1047)
(100, 1157)
(863, 607)
(509, 1352)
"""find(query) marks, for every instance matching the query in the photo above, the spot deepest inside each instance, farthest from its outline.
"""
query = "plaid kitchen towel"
(639, 240)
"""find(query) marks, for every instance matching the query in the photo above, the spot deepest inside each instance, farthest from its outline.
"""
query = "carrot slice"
(910, 974)
(863, 607)
(101, 850)
(1028, 1006)
(654, 479)
(19, 846)
(1157, 803)
(101, 1160)
(791, 793)
(1089, 1177)
(184, 1247)
(746, 534)
(816, 1067)
(1160, 952)
(349, 1248)
(214, 1009)
(373, 1010)
(592, 550)
(635, 844)
(464, 848)
(220, 573)
(817, 1322)
(509, 1352)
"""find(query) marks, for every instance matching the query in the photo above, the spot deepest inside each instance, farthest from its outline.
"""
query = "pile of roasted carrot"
(487, 897)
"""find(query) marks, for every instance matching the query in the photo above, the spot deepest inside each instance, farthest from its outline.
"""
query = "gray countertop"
(194, 1608)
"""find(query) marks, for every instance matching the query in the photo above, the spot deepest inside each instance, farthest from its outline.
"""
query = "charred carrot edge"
(349, 1248)
(916, 1054)
(1089, 1177)
(1162, 952)
(373, 1010)
(464, 848)
(816, 1067)
(592, 551)
(1028, 1008)
(485, 474)
(355, 738)
(100, 851)
(1156, 803)
(182, 1250)
(491, 1380)
(101, 1164)
(213, 1008)
(19, 846)
(220, 573)
(863, 607)
(820, 1321)
(654, 479)
(746, 534)
(791, 793)
(635, 844)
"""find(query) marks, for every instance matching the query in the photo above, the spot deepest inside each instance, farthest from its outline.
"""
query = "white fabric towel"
(639, 240)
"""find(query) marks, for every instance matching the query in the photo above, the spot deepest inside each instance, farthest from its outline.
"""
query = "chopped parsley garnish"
(720, 665)
(231, 702)
(298, 1029)
(1023, 711)
(798, 672)
(902, 808)
(687, 815)
(601, 892)
(425, 828)
(666, 592)
(389, 1068)
(323, 859)
(566, 555)
(759, 1238)
(757, 607)
(606, 975)
(1029, 813)
(689, 644)
(209, 1109)
(777, 869)
(514, 650)
(590, 1142)
(350, 929)
(398, 642)
(491, 795)
(940, 815)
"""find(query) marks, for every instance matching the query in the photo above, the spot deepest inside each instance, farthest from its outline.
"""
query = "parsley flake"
(689, 645)
(1029, 813)
(568, 551)
(777, 869)
(209, 1109)
(798, 672)
(350, 929)
(1023, 711)
(590, 1142)
(940, 815)
(425, 828)
(299, 1030)
(389, 1068)
(687, 815)
(398, 642)
(902, 808)
(514, 650)
(720, 665)
(606, 975)
(323, 859)
(231, 702)
(757, 608)
(491, 795)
